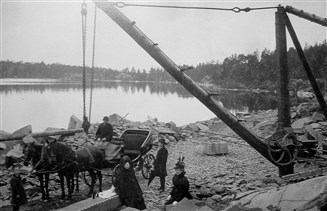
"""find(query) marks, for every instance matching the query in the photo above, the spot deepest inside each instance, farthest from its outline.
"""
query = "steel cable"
(234, 9)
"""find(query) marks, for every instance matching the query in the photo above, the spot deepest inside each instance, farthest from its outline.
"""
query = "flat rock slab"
(184, 205)
(164, 130)
(289, 197)
(300, 123)
(4, 134)
(96, 204)
(74, 122)
(24, 130)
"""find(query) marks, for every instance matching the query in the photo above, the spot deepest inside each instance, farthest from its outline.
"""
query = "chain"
(84, 12)
(92, 71)
(234, 9)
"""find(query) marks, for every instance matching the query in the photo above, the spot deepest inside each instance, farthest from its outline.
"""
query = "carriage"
(135, 143)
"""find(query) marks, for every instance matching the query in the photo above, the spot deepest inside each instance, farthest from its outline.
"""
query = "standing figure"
(18, 195)
(86, 124)
(127, 186)
(105, 130)
(181, 186)
(160, 169)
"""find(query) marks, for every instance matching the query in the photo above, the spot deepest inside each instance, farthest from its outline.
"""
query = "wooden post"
(311, 17)
(284, 117)
(42, 134)
(155, 52)
(306, 66)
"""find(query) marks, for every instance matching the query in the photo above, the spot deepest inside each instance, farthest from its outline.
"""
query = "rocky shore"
(215, 180)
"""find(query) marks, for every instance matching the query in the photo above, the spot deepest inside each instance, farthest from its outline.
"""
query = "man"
(105, 130)
(18, 196)
(160, 165)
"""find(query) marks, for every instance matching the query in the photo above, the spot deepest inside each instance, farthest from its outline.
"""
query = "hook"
(236, 9)
(120, 4)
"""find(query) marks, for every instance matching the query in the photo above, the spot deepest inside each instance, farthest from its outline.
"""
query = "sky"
(51, 31)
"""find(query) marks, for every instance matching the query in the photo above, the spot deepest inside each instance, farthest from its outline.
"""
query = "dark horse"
(63, 157)
(43, 165)
(88, 159)
(33, 153)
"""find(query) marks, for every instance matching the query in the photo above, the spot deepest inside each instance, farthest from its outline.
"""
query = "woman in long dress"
(127, 186)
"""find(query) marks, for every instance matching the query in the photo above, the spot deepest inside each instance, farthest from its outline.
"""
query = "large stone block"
(96, 204)
(216, 148)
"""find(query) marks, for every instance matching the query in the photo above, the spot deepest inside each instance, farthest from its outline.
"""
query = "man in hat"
(105, 130)
(160, 169)
(18, 195)
(181, 186)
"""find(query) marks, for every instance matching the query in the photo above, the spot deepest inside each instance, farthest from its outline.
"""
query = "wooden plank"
(42, 134)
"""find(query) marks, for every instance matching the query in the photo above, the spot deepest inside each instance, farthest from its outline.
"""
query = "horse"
(64, 159)
(88, 159)
(33, 152)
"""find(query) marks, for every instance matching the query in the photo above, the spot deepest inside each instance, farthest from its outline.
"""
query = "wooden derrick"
(204, 97)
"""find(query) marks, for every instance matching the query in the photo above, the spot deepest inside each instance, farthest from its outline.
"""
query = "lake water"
(50, 103)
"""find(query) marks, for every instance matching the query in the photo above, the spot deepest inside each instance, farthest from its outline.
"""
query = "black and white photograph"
(163, 105)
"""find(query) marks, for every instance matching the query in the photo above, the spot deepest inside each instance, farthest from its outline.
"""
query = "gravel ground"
(241, 162)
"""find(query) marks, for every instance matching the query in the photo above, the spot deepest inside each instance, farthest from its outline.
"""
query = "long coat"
(180, 189)
(127, 186)
(18, 195)
(105, 130)
(160, 162)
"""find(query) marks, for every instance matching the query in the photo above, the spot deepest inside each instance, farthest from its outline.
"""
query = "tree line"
(254, 70)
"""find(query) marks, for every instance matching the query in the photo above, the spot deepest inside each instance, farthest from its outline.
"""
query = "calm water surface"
(50, 103)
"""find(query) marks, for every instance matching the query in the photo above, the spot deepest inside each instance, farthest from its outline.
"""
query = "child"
(18, 196)
(127, 186)
(181, 186)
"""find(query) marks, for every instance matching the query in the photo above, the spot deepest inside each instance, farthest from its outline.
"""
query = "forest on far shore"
(254, 70)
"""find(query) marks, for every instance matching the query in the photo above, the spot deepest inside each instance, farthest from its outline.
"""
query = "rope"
(92, 71)
(84, 12)
(54, 171)
(234, 9)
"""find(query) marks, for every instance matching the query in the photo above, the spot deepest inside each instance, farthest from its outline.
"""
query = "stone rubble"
(216, 182)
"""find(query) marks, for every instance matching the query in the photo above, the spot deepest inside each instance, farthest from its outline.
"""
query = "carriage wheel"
(283, 151)
(115, 174)
(87, 178)
(147, 163)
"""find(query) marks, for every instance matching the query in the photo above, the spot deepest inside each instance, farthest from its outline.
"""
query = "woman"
(127, 186)
(160, 165)
(18, 196)
(181, 186)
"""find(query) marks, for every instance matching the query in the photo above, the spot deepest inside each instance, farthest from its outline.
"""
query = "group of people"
(130, 192)
(126, 185)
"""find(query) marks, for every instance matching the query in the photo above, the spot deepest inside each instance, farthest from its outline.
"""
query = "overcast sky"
(50, 31)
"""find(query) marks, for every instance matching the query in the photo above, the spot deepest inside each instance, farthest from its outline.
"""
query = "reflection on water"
(57, 100)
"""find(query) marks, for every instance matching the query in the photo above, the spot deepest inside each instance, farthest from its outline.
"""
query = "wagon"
(135, 143)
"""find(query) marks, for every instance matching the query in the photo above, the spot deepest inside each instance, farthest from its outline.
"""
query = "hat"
(179, 165)
(162, 140)
(105, 118)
